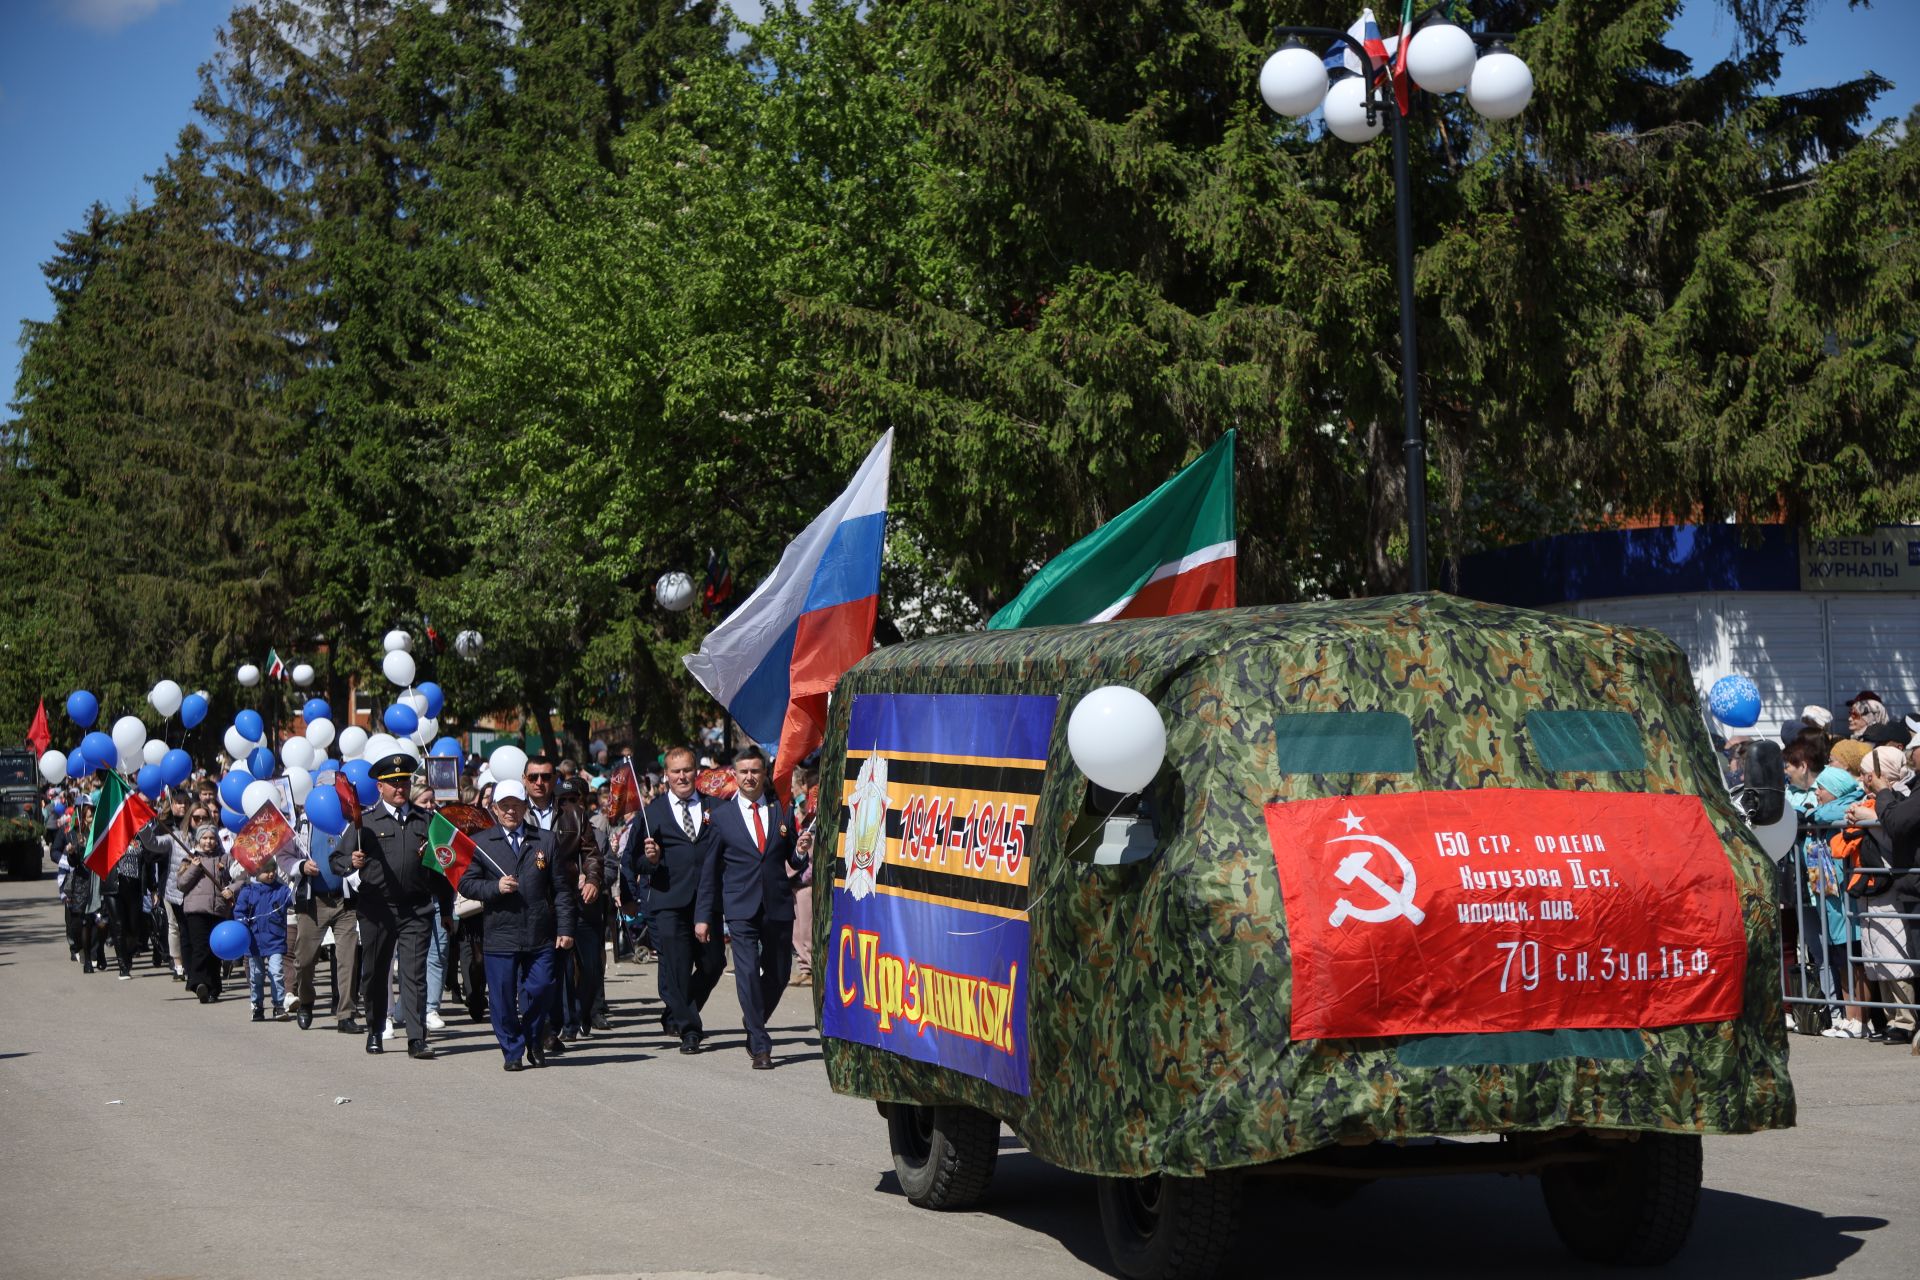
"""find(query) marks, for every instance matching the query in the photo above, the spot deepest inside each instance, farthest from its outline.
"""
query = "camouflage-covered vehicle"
(21, 826)
(1413, 869)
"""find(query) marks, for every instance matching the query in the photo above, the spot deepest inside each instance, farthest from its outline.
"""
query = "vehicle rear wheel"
(1161, 1228)
(943, 1156)
(1633, 1208)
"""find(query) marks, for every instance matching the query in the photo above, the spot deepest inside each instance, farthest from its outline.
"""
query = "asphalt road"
(142, 1134)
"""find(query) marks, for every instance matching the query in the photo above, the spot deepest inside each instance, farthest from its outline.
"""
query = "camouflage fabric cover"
(1159, 995)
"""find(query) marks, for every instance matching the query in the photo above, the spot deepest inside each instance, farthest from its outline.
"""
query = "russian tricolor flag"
(775, 660)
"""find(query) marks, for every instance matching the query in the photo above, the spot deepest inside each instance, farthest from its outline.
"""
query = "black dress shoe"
(303, 1017)
(690, 1042)
(259, 1014)
(373, 1043)
(553, 1046)
(1899, 1035)
(763, 1062)
(668, 1025)
(600, 1022)
(536, 1055)
(350, 1026)
(205, 993)
(515, 1065)
(420, 1049)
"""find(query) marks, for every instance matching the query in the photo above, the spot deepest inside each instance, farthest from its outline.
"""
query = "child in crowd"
(261, 906)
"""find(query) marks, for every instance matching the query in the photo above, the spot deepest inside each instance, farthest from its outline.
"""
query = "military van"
(1422, 886)
(22, 826)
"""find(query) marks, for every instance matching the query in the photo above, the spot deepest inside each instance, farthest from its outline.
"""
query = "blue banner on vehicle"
(927, 953)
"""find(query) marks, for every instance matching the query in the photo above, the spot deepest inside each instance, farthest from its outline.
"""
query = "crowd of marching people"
(505, 903)
(1850, 889)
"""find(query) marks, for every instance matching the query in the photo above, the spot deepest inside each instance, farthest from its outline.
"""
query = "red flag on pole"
(349, 798)
(38, 735)
(266, 835)
(623, 792)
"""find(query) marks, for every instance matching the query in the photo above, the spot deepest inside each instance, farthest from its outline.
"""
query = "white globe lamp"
(1501, 85)
(1294, 80)
(1441, 58)
(1346, 111)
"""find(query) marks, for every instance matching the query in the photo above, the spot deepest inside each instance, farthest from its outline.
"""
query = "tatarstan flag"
(119, 813)
(449, 849)
(1171, 552)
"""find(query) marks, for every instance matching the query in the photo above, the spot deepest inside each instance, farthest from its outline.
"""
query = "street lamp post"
(1441, 58)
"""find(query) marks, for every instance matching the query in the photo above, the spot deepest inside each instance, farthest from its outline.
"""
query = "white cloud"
(107, 15)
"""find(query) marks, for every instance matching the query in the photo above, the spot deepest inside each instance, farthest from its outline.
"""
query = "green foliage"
(494, 313)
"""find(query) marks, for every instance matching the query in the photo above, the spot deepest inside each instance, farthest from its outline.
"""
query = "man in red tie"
(746, 878)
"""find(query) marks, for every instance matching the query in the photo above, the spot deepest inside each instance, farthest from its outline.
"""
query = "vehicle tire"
(943, 1156)
(1161, 1228)
(1632, 1209)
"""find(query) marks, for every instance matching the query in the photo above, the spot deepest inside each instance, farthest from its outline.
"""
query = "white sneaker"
(390, 1032)
(434, 1021)
(1845, 1029)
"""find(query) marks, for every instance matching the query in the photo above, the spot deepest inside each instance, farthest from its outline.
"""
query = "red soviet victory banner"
(1506, 910)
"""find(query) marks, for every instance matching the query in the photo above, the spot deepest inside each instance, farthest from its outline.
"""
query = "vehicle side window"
(1344, 742)
(1586, 741)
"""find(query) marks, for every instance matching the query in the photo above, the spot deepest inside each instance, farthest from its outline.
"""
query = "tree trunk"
(1386, 509)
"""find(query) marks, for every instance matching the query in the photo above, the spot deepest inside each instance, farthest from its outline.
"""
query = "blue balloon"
(101, 753)
(325, 768)
(78, 766)
(193, 709)
(431, 692)
(232, 819)
(149, 781)
(323, 810)
(1735, 701)
(450, 746)
(234, 786)
(83, 708)
(250, 725)
(59, 808)
(401, 720)
(229, 940)
(176, 767)
(360, 773)
(260, 763)
(316, 709)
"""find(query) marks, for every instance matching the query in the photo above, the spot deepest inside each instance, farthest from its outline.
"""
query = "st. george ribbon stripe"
(948, 775)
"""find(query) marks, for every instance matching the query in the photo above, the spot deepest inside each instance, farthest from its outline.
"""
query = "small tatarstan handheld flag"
(119, 813)
(276, 669)
(449, 849)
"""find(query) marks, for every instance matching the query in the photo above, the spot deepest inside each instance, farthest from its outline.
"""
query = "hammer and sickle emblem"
(1394, 902)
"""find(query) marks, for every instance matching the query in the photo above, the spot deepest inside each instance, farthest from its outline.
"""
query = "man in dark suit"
(579, 981)
(531, 908)
(669, 862)
(755, 843)
(395, 896)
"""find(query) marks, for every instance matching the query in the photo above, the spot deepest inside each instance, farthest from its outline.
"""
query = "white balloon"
(674, 592)
(237, 746)
(1501, 86)
(320, 734)
(165, 698)
(53, 767)
(415, 699)
(296, 753)
(398, 642)
(379, 747)
(129, 735)
(468, 645)
(1440, 58)
(1777, 837)
(410, 747)
(1116, 736)
(352, 742)
(302, 674)
(249, 675)
(1346, 111)
(1294, 81)
(154, 752)
(398, 666)
(429, 730)
(259, 794)
(507, 763)
(130, 760)
(301, 782)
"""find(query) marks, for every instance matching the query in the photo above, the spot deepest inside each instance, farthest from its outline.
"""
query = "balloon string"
(1027, 913)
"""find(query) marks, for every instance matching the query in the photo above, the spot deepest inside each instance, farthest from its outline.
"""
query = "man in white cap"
(532, 906)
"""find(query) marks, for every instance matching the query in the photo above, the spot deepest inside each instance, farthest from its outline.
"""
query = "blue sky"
(93, 93)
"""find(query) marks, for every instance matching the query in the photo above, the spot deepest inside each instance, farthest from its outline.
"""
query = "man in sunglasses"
(577, 850)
